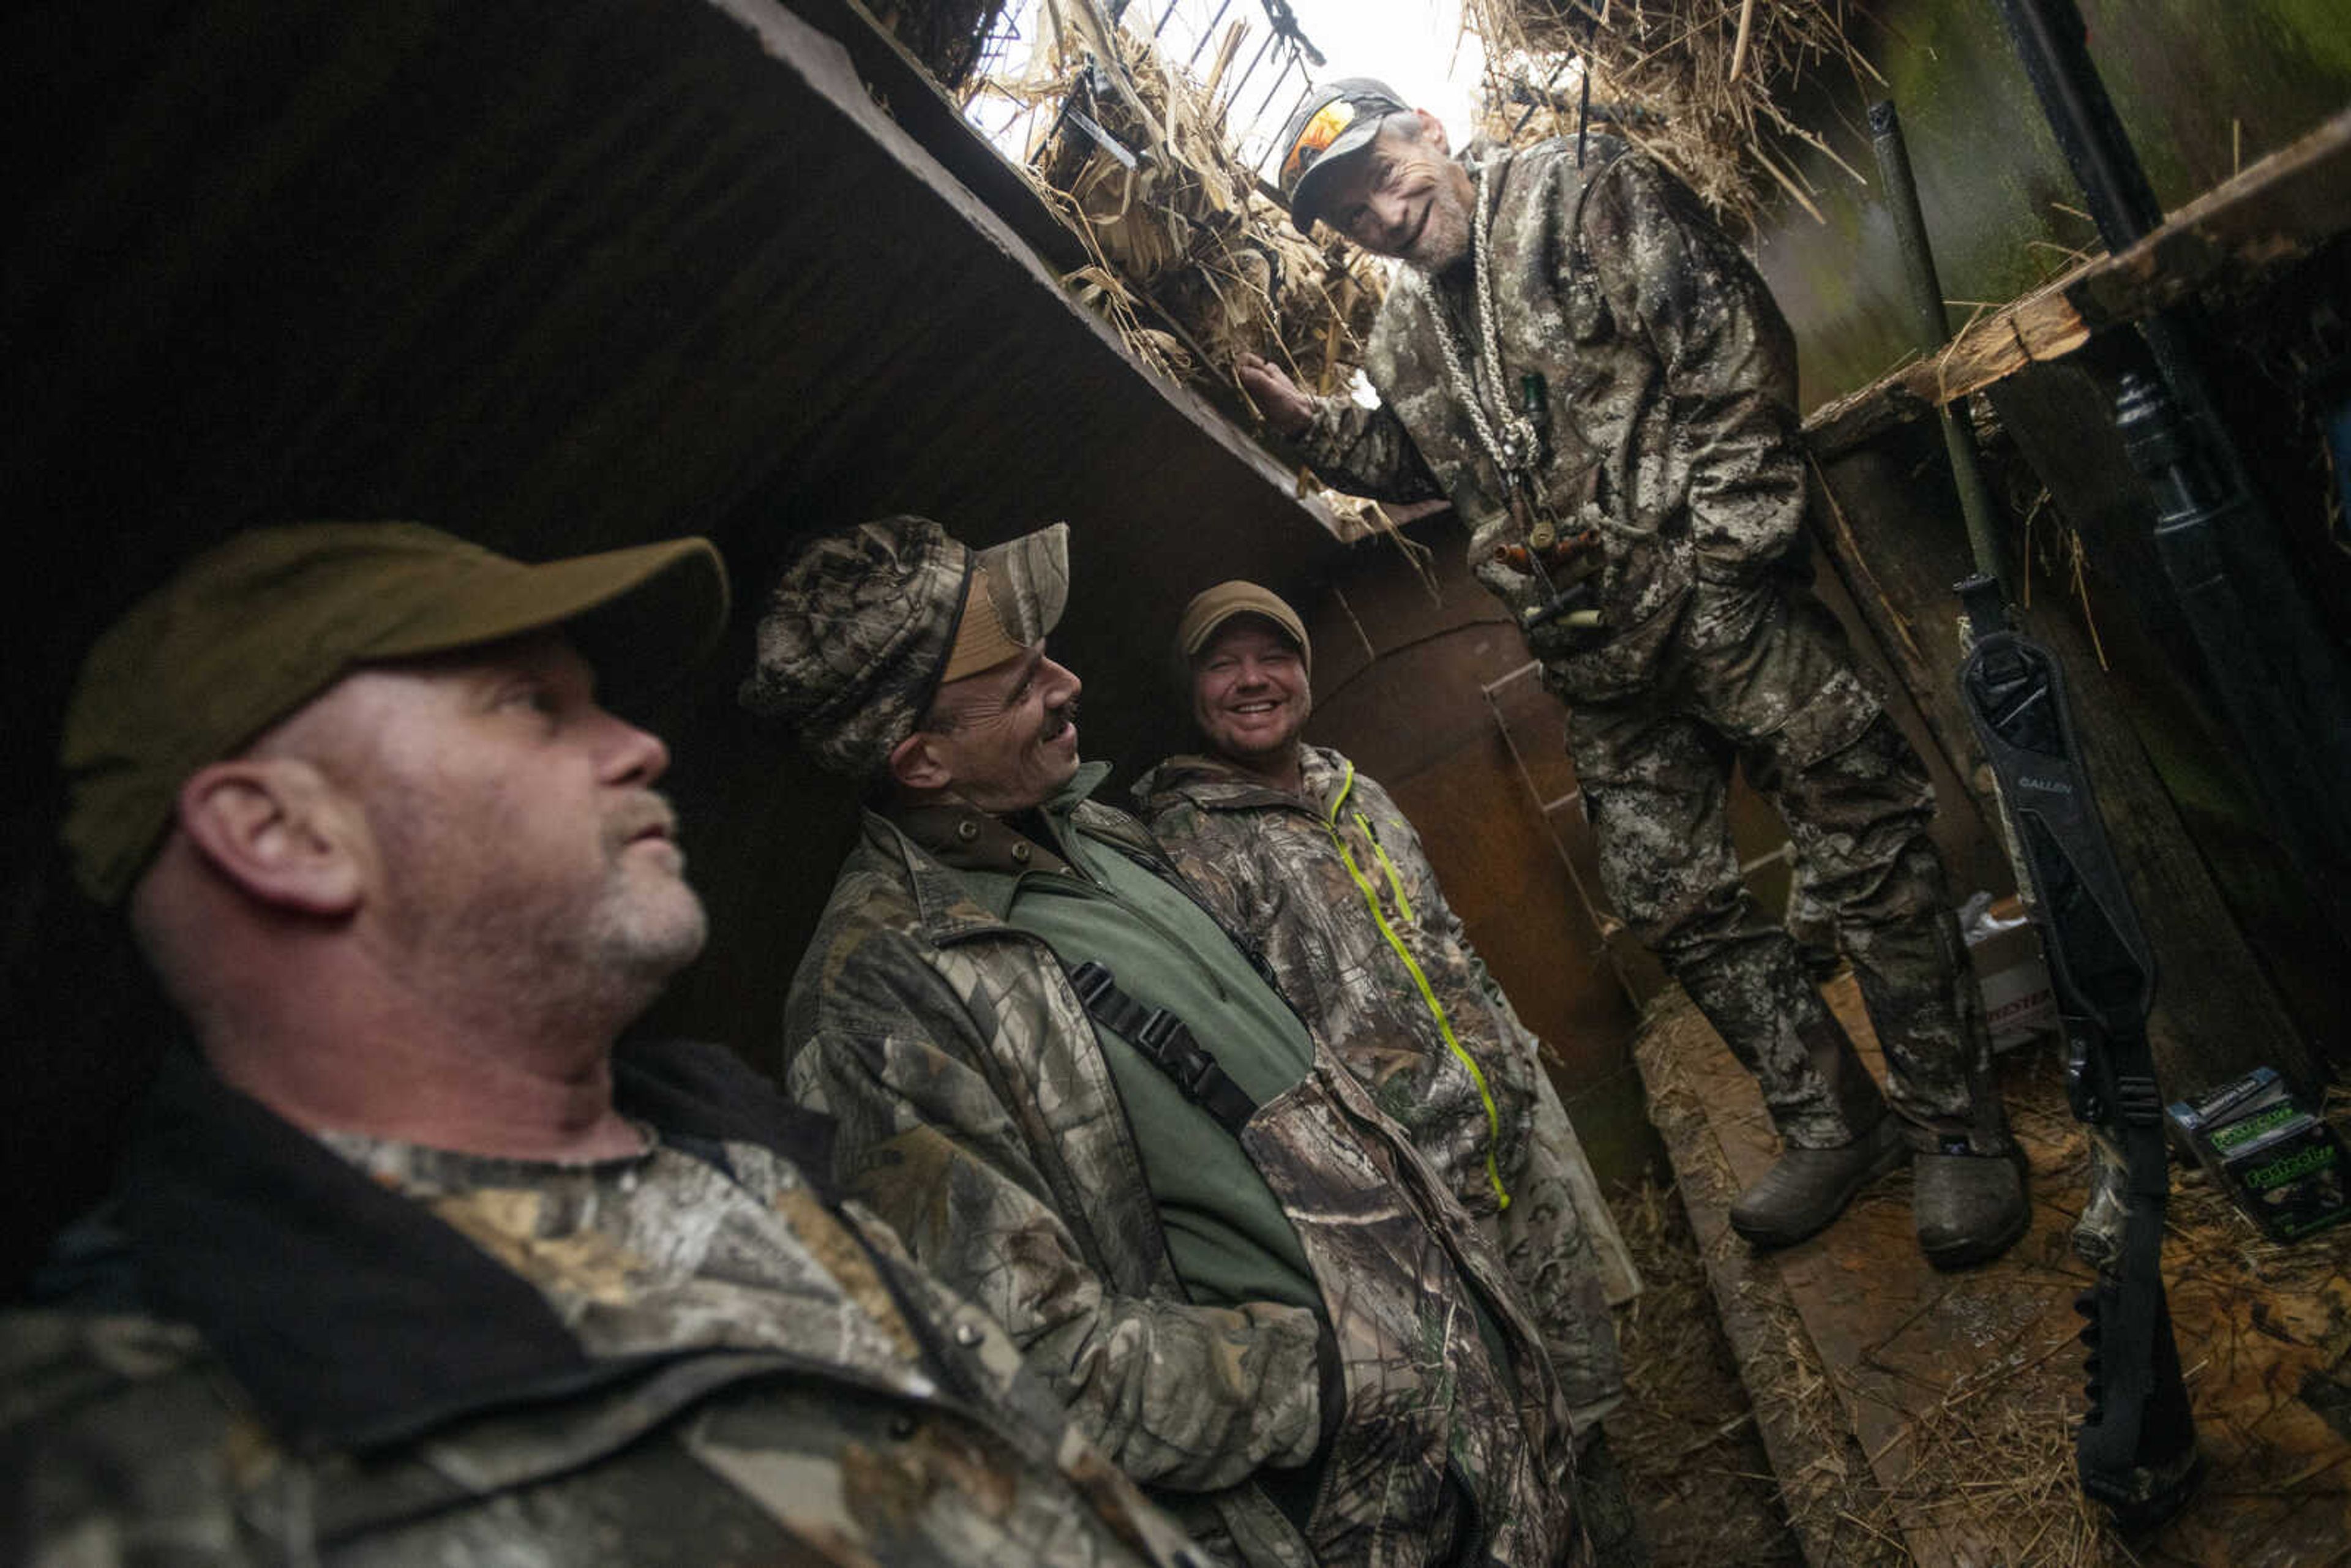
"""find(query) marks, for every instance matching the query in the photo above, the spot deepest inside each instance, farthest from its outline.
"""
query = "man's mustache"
(1059, 720)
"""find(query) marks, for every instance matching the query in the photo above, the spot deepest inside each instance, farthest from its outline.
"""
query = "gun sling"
(1168, 1042)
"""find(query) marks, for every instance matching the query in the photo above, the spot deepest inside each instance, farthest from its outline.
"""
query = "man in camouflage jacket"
(405, 1266)
(1315, 862)
(1597, 379)
(1246, 1285)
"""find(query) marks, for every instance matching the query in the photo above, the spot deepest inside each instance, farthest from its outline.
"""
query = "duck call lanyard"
(1513, 440)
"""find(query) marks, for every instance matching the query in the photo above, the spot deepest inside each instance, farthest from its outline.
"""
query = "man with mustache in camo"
(1079, 1100)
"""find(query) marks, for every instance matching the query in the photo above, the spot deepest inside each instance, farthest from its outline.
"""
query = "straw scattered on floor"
(1982, 1467)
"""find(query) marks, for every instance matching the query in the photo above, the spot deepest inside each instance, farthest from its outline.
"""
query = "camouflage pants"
(1762, 678)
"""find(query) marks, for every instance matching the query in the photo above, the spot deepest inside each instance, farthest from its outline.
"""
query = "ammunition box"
(2291, 1179)
(2239, 1097)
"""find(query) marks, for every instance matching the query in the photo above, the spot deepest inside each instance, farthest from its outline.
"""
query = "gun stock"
(2136, 1449)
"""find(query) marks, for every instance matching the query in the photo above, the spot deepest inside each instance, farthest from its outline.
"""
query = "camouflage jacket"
(977, 1114)
(1669, 420)
(1333, 887)
(269, 1353)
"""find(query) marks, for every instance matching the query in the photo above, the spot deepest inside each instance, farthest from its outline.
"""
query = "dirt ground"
(1685, 1436)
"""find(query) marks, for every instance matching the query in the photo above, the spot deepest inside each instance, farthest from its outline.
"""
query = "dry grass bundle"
(1177, 224)
(1192, 264)
(1696, 83)
(948, 36)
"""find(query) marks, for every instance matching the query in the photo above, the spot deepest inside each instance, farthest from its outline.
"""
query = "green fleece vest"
(1227, 1236)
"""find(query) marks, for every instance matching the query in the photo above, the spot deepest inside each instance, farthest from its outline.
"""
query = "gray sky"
(1414, 46)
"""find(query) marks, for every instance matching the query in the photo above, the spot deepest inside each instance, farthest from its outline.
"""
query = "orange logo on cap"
(1320, 132)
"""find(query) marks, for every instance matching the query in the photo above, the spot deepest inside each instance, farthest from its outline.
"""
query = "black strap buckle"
(1166, 1041)
(1091, 981)
(1159, 1030)
(1181, 1056)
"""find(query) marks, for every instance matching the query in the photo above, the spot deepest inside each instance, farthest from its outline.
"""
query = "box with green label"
(2291, 1177)
(2284, 1167)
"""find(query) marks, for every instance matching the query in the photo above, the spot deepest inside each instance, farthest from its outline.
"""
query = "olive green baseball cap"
(256, 628)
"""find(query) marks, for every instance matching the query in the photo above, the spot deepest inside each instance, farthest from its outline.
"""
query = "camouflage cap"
(867, 623)
(1213, 606)
(251, 631)
(1337, 119)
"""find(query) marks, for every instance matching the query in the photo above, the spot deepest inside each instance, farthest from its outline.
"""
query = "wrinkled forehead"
(371, 702)
(549, 650)
(1352, 176)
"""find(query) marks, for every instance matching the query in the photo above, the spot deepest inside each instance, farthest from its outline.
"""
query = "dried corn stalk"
(1192, 264)
(1135, 148)
(1696, 83)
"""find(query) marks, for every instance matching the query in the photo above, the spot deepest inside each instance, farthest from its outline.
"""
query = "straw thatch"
(1697, 83)
(1193, 264)
(1174, 215)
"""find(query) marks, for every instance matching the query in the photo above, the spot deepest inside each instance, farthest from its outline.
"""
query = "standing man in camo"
(1078, 1098)
(1314, 863)
(1597, 379)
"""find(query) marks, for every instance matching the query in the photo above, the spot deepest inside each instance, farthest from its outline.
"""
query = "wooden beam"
(2276, 212)
(915, 100)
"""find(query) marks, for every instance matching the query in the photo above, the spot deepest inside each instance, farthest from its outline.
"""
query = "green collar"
(990, 853)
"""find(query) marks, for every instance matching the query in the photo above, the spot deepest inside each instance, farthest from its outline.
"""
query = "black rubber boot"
(1605, 1507)
(1809, 1187)
(1969, 1208)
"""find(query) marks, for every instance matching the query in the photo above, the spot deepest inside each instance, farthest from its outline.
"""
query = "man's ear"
(1432, 130)
(277, 829)
(915, 764)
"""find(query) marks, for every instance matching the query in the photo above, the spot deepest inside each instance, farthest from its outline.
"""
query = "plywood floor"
(1920, 1417)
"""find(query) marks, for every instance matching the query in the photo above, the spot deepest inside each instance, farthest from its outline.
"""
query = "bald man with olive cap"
(406, 1262)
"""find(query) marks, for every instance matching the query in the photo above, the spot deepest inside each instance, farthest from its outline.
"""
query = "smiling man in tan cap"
(407, 1262)
(1081, 1101)
(1315, 864)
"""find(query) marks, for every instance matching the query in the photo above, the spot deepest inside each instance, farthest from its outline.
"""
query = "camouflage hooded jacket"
(1667, 408)
(1333, 887)
(267, 1354)
(979, 1116)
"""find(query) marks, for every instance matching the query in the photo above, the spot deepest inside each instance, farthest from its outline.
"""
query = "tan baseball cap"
(1213, 606)
(251, 631)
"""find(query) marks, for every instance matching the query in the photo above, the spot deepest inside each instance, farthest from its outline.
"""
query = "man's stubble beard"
(1443, 242)
(486, 940)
